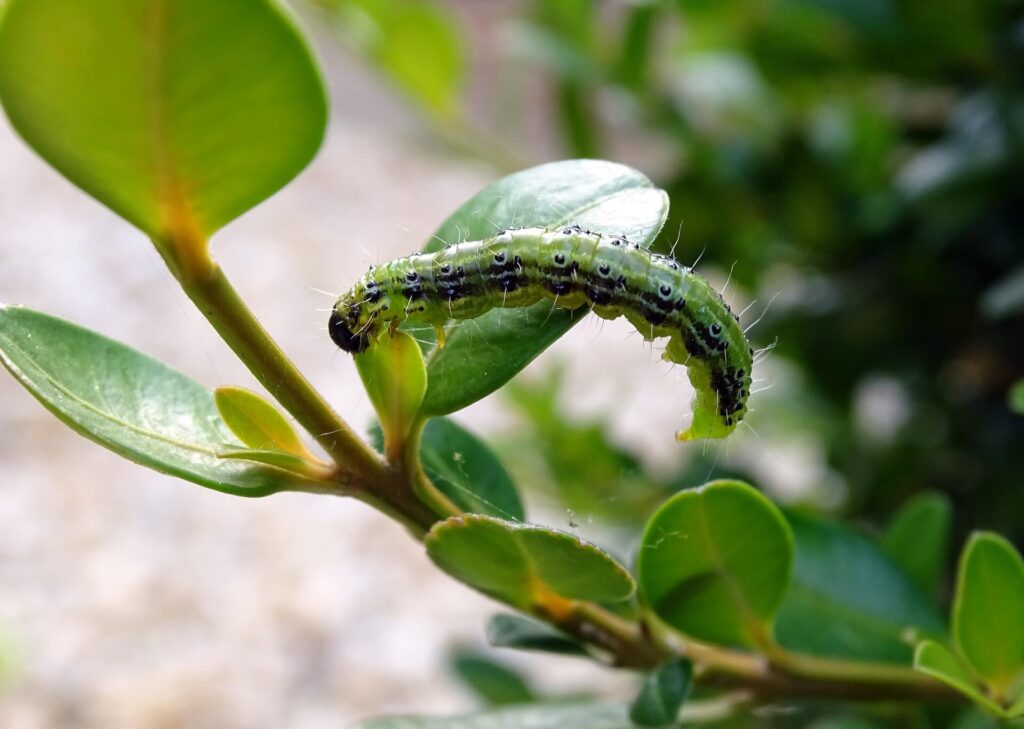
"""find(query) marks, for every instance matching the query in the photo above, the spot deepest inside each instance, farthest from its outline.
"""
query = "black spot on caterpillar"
(572, 268)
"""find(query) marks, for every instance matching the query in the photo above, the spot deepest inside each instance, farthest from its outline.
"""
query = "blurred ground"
(132, 600)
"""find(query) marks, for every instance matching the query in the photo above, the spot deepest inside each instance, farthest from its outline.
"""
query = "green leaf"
(395, 379)
(847, 599)
(520, 632)
(917, 538)
(127, 402)
(179, 115)
(314, 469)
(466, 470)
(536, 716)
(1016, 397)
(988, 610)
(715, 562)
(494, 682)
(417, 44)
(525, 566)
(257, 423)
(483, 354)
(1017, 710)
(938, 662)
(663, 694)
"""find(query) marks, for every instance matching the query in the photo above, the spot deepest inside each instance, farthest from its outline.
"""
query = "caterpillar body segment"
(571, 268)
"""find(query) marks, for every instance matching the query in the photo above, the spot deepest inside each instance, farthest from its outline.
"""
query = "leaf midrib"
(21, 374)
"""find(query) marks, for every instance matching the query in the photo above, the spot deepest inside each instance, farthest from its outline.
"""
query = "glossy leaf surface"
(715, 563)
(525, 566)
(847, 599)
(481, 355)
(127, 402)
(179, 115)
(468, 472)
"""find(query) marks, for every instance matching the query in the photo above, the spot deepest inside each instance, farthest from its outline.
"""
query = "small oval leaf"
(179, 116)
(917, 538)
(127, 402)
(715, 563)
(257, 423)
(518, 631)
(529, 567)
(495, 683)
(937, 661)
(483, 354)
(662, 695)
(988, 610)
(395, 379)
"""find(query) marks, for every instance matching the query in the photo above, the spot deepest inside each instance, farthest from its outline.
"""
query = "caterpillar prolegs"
(572, 268)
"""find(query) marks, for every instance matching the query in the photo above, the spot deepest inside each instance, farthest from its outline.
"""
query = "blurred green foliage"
(860, 160)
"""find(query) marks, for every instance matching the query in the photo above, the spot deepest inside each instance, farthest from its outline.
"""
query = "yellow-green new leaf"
(395, 379)
(257, 423)
(285, 461)
(529, 567)
(939, 662)
(988, 611)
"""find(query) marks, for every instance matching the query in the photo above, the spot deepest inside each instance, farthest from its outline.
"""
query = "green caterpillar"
(571, 267)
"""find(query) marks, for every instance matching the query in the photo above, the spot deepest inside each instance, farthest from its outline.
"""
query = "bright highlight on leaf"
(179, 116)
(529, 567)
(715, 563)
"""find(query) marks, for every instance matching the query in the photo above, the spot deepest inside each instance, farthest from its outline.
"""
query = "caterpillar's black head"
(342, 334)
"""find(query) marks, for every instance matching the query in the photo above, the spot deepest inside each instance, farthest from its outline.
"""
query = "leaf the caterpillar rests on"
(572, 268)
